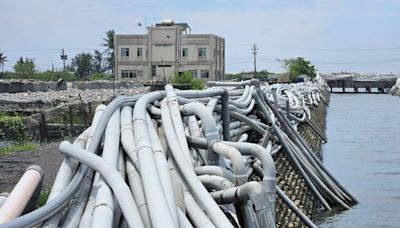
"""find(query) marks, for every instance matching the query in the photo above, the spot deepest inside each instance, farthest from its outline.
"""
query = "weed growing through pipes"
(44, 194)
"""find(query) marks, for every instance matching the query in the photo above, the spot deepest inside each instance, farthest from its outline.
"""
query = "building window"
(140, 52)
(185, 52)
(164, 65)
(153, 70)
(128, 73)
(124, 53)
(202, 52)
(194, 73)
(204, 73)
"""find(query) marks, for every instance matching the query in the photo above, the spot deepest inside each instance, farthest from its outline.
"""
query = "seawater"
(363, 153)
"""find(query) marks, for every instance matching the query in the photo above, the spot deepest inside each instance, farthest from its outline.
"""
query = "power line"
(334, 49)
(48, 49)
(321, 49)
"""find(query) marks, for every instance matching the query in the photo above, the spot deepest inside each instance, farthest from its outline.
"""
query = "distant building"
(167, 48)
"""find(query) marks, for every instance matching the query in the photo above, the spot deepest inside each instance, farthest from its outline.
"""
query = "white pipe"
(103, 212)
(207, 203)
(113, 179)
(163, 170)
(136, 186)
(3, 198)
(157, 204)
(21, 194)
(173, 106)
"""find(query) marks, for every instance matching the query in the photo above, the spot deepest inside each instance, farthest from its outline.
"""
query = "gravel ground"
(21, 101)
(12, 166)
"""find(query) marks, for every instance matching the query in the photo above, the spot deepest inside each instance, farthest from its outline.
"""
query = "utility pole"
(63, 57)
(254, 49)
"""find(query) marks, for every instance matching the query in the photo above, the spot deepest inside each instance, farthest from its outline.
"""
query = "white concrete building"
(168, 48)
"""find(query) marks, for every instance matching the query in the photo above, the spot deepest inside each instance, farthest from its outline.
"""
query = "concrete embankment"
(236, 153)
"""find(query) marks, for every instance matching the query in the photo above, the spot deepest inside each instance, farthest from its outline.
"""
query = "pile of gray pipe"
(188, 158)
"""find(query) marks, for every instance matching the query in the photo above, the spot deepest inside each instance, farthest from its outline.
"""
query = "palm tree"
(3, 59)
(109, 44)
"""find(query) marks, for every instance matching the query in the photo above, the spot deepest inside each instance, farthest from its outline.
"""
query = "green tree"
(83, 65)
(3, 59)
(98, 65)
(297, 67)
(25, 68)
(109, 44)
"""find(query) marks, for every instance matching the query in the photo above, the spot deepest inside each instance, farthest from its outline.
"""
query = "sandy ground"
(12, 166)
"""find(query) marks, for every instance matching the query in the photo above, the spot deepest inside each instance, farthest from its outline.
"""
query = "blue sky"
(353, 35)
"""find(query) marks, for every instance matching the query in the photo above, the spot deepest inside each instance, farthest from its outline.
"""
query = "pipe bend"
(235, 156)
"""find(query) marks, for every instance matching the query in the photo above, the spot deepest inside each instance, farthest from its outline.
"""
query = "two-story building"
(169, 48)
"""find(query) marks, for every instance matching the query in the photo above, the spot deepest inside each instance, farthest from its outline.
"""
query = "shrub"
(11, 127)
(100, 76)
(187, 78)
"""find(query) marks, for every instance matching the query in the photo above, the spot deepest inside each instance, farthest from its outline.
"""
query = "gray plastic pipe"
(242, 83)
(194, 184)
(79, 202)
(113, 179)
(177, 121)
(59, 202)
(212, 182)
(209, 126)
(183, 220)
(103, 212)
(160, 214)
(85, 220)
(21, 194)
(136, 186)
(163, 170)
(215, 170)
(254, 192)
(67, 168)
(269, 178)
(278, 133)
(194, 130)
(127, 134)
(236, 158)
(195, 213)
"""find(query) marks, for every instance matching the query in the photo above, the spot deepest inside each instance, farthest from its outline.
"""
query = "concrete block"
(4, 87)
(97, 85)
(17, 87)
(62, 86)
(117, 85)
(52, 85)
(30, 86)
(42, 86)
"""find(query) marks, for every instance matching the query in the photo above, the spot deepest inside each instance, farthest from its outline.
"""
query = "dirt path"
(12, 166)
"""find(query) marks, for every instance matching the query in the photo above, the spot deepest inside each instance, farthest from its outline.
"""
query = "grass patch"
(43, 195)
(18, 146)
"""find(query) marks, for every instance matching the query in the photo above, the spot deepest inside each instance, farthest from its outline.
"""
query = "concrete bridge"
(381, 84)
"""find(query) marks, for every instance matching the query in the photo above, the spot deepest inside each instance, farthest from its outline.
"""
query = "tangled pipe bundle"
(188, 159)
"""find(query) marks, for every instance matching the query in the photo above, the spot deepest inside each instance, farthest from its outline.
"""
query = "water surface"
(363, 153)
